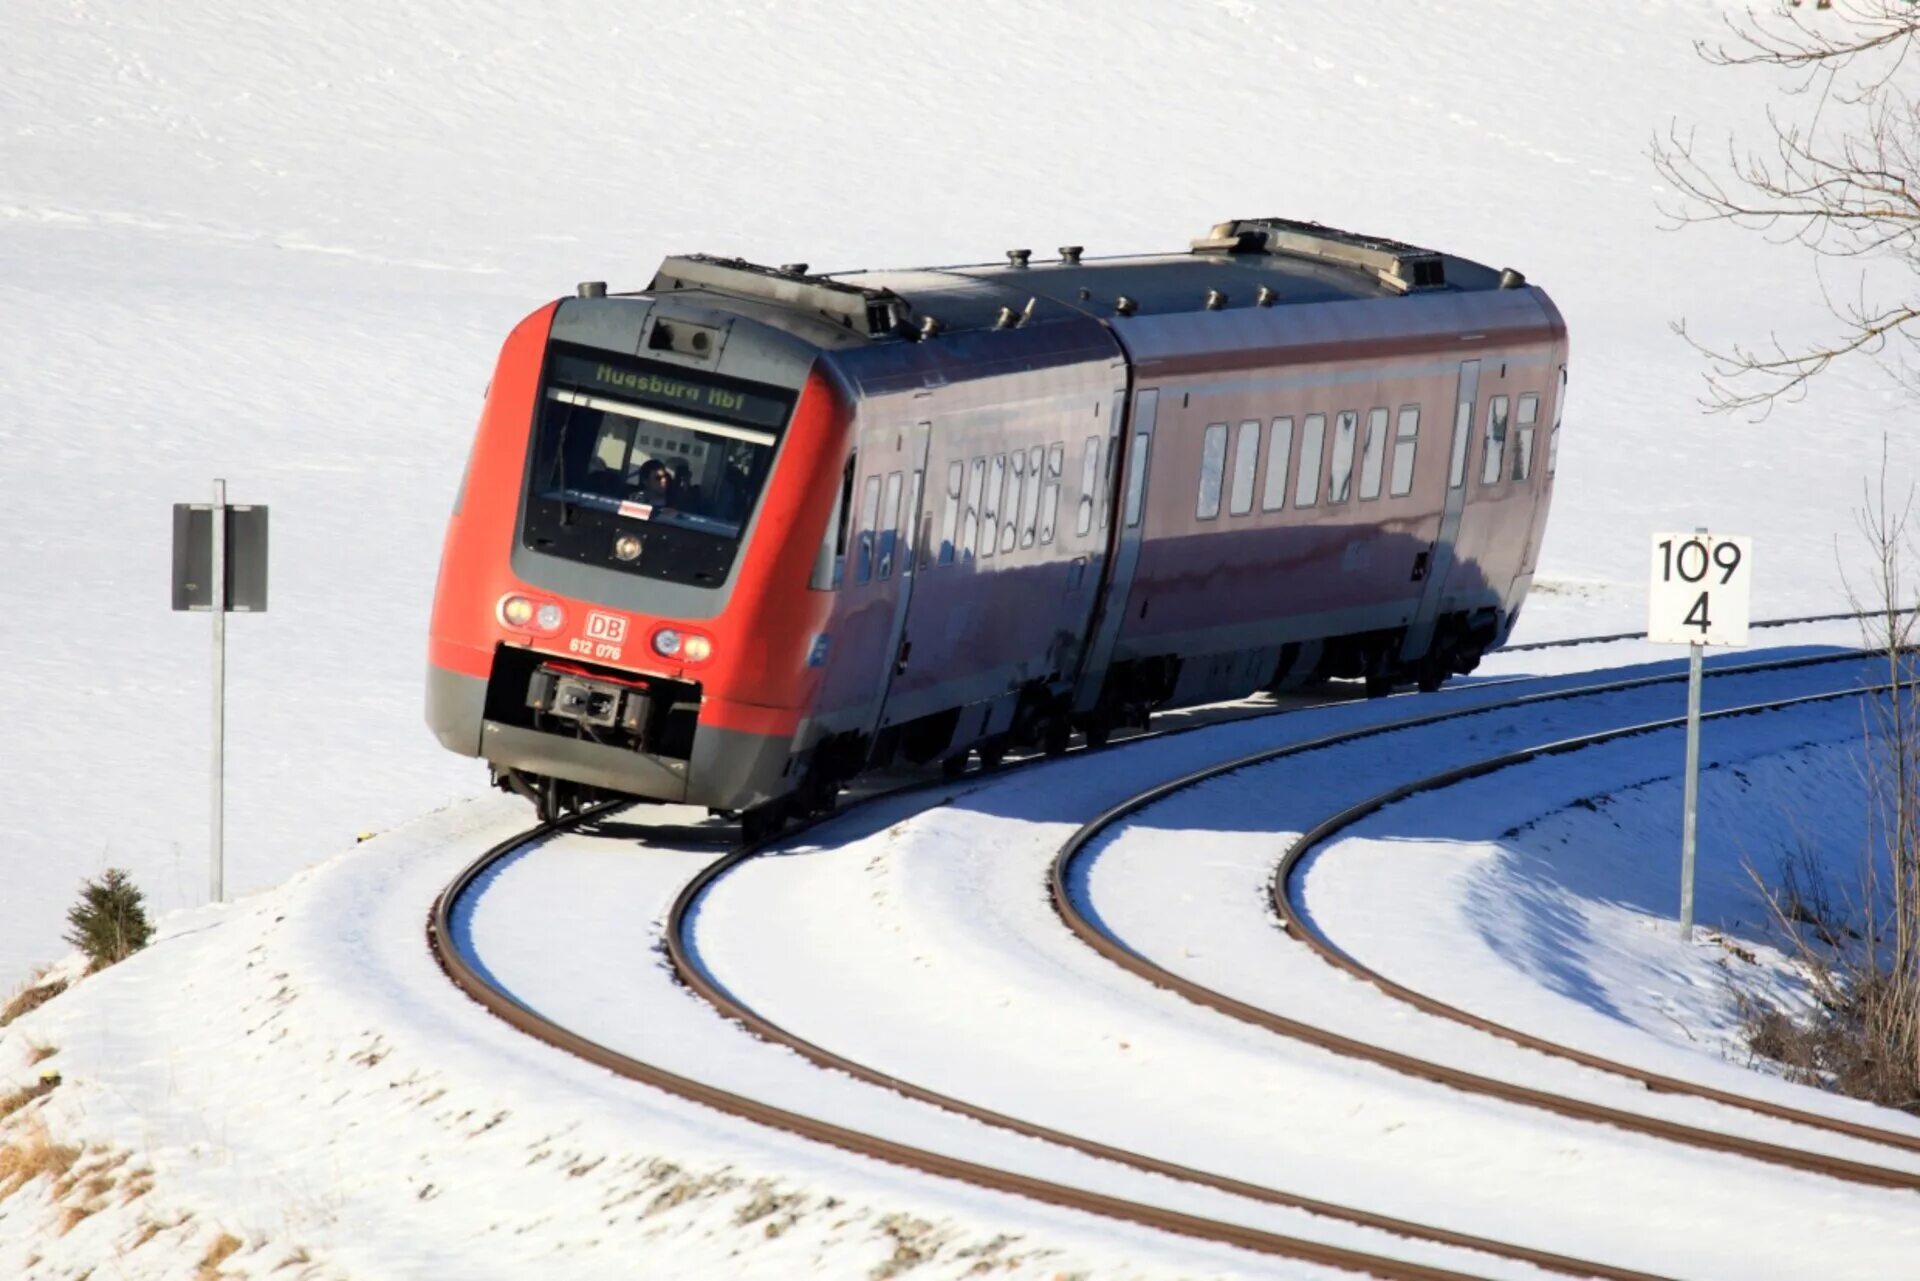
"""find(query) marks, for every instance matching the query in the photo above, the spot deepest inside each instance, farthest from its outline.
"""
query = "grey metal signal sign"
(220, 566)
(245, 538)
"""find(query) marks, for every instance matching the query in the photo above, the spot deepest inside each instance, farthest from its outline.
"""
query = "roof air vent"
(592, 289)
(1018, 257)
(1007, 318)
(1070, 254)
(794, 268)
(1265, 297)
(1125, 305)
(1215, 300)
(1511, 279)
(929, 326)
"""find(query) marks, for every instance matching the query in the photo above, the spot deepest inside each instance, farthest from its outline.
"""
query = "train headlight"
(516, 611)
(695, 649)
(626, 547)
(666, 642)
(549, 617)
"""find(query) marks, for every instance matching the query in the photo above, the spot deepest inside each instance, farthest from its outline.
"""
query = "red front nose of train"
(623, 600)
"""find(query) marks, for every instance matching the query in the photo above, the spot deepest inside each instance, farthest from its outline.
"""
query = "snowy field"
(282, 246)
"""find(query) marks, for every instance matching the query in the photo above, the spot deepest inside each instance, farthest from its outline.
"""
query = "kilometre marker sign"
(1699, 589)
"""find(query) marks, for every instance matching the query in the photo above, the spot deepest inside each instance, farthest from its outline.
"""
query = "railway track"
(1090, 929)
(476, 982)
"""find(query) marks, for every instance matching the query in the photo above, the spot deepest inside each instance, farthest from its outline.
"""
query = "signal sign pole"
(1690, 808)
(219, 564)
(1698, 595)
(217, 583)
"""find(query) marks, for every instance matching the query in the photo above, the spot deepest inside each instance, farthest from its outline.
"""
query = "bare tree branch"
(1843, 182)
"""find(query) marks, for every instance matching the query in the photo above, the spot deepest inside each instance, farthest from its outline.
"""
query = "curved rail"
(1117, 952)
(1298, 925)
(687, 967)
(1572, 641)
(476, 985)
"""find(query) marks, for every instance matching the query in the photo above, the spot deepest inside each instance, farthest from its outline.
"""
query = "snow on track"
(297, 1071)
(950, 970)
(628, 1001)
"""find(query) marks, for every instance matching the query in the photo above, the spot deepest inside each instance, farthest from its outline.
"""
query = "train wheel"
(1379, 686)
(954, 766)
(763, 822)
(992, 753)
(1431, 680)
(1058, 734)
(547, 800)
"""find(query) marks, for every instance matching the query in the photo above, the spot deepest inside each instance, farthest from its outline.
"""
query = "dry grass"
(224, 1246)
(1846, 1046)
(32, 1155)
(38, 1053)
(31, 998)
(13, 1100)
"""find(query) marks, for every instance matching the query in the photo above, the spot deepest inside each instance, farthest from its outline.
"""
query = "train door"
(1440, 559)
(913, 529)
(870, 614)
(1132, 443)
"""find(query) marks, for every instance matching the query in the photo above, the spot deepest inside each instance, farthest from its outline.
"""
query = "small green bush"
(109, 923)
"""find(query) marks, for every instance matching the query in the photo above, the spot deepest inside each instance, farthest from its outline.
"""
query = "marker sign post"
(219, 565)
(1698, 595)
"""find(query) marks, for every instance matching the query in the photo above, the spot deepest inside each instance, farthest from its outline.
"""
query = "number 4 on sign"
(1699, 588)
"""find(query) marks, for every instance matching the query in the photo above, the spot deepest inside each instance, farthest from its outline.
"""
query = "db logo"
(606, 627)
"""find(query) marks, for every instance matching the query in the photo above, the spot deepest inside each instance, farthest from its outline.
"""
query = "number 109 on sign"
(1699, 589)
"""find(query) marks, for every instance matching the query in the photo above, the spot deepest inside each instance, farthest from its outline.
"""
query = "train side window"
(950, 515)
(1553, 436)
(1462, 434)
(1313, 436)
(1496, 440)
(1213, 466)
(1525, 415)
(1089, 480)
(1340, 478)
(1273, 494)
(869, 515)
(1373, 454)
(1030, 496)
(830, 565)
(1246, 461)
(1010, 506)
(1406, 439)
(970, 534)
(1050, 492)
(889, 536)
(1137, 481)
(990, 506)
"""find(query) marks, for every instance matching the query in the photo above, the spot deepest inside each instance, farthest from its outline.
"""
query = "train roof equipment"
(1254, 262)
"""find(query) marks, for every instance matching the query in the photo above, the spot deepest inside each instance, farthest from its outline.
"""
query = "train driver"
(657, 484)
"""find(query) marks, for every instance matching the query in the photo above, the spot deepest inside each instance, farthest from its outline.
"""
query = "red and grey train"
(734, 538)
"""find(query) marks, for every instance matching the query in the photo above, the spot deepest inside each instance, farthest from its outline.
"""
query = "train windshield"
(648, 469)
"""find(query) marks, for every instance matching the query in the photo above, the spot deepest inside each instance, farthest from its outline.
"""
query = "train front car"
(605, 620)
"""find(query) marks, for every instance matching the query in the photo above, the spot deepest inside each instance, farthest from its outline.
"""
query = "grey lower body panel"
(580, 761)
(455, 707)
(729, 769)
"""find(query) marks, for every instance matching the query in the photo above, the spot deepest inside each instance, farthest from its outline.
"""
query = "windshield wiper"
(558, 470)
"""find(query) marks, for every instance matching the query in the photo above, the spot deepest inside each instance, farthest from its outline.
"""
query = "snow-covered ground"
(282, 245)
